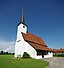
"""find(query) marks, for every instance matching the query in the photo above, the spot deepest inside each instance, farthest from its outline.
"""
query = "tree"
(2, 52)
(26, 55)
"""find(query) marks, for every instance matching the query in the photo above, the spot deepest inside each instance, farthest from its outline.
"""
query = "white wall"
(21, 29)
(19, 48)
(39, 57)
(20, 45)
(30, 50)
(50, 54)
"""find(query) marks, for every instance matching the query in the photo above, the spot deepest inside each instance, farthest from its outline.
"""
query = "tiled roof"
(39, 47)
(32, 38)
(58, 50)
(35, 41)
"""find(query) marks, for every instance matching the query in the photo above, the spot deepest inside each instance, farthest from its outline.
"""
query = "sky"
(45, 18)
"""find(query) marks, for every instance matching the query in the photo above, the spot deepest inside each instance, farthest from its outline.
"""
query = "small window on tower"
(23, 26)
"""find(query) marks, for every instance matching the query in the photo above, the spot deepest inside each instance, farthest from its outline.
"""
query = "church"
(30, 43)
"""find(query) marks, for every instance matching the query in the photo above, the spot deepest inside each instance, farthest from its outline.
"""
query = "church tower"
(21, 28)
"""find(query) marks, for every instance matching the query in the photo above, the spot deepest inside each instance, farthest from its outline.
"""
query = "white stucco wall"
(21, 29)
(20, 45)
(19, 48)
(39, 57)
(49, 55)
(30, 50)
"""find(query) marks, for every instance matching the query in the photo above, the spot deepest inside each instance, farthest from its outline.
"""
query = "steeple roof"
(22, 18)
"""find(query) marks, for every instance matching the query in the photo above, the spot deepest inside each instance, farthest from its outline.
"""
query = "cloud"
(7, 46)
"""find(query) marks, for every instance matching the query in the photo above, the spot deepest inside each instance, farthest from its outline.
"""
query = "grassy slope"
(8, 61)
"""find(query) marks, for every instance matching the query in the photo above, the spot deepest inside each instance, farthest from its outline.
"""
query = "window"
(23, 26)
(18, 40)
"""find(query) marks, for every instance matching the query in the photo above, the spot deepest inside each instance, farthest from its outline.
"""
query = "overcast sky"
(45, 18)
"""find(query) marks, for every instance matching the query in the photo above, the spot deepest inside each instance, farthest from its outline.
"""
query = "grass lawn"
(8, 61)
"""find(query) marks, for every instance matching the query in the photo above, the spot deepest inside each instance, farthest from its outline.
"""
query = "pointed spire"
(22, 17)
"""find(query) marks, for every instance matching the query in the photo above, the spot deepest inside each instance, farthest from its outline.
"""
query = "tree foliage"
(5, 53)
(26, 55)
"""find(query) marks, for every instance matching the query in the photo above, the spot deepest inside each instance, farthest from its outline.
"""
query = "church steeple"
(22, 17)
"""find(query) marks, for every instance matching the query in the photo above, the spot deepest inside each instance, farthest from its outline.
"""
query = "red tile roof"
(39, 47)
(35, 41)
(58, 50)
(32, 38)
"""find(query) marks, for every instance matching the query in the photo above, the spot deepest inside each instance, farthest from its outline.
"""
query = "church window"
(23, 26)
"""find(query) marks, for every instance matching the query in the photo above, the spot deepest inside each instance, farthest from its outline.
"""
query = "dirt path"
(55, 62)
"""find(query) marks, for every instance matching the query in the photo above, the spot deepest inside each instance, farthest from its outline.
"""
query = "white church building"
(28, 42)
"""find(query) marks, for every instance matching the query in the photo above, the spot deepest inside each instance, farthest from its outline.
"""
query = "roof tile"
(32, 38)
(39, 47)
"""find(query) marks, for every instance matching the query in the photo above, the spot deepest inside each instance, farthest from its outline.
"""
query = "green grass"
(8, 61)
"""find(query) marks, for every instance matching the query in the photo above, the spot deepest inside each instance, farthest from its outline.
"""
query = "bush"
(26, 55)
(2, 53)
(59, 55)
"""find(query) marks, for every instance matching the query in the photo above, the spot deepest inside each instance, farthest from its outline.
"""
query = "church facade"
(30, 43)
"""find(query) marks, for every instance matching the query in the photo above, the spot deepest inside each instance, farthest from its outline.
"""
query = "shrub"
(26, 55)
(59, 55)
(2, 52)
